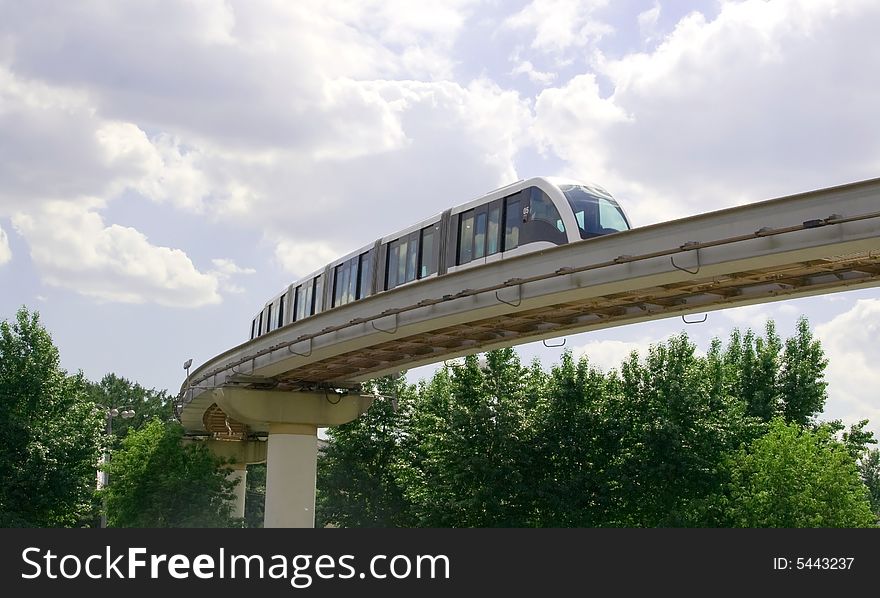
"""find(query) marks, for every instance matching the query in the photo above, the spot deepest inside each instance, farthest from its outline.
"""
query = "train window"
(365, 276)
(480, 235)
(301, 302)
(391, 275)
(318, 298)
(260, 327)
(596, 213)
(308, 298)
(281, 312)
(541, 208)
(512, 219)
(351, 291)
(427, 261)
(341, 282)
(611, 217)
(401, 260)
(492, 235)
(412, 256)
(337, 285)
(466, 237)
(269, 319)
(253, 326)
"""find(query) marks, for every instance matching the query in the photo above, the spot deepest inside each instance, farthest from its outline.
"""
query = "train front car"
(586, 210)
(529, 215)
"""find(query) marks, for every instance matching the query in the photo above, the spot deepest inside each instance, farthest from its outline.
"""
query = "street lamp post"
(103, 475)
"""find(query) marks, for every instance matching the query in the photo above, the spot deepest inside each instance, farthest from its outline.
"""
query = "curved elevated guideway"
(306, 374)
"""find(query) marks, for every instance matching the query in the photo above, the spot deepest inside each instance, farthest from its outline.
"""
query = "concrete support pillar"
(238, 454)
(291, 420)
(238, 473)
(291, 468)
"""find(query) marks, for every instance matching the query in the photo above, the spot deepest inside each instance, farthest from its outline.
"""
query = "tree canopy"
(672, 438)
(669, 438)
(53, 432)
(158, 481)
(795, 477)
(50, 433)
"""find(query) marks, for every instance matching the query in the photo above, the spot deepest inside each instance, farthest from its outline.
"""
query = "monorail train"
(526, 216)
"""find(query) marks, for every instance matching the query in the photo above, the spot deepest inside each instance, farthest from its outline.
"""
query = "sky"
(168, 166)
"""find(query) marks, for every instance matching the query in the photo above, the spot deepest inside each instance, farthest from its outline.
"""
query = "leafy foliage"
(795, 477)
(357, 478)
(50, 433)
(255, 495)
(869, 469)
(671, 439)
(156, 480)
(116, 392)
(469, 445)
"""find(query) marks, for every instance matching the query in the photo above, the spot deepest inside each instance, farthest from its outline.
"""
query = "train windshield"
(596, 212)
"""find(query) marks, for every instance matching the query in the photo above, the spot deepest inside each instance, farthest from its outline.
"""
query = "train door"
(494, 230)
(541, 221)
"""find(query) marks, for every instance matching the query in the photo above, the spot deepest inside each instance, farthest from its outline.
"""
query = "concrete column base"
(239, 474)
(291, 469)
(292, 420)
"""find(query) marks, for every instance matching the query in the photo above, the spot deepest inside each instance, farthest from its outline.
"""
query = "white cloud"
(228, 267)
(282, 118)
(766, 99)
(166, 171)
(74, 249)
(850, 343)
(560, 25)
(272, 116)
(48, 148)
(574, 121)
(420, 33)
(756, 316)
(303, 257)
(534, 75)
(56, 147)
(348, 200)
(5, 252)
(609, 354)
(648, 22)
(225, 269)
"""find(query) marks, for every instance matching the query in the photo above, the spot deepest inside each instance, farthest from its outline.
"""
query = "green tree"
(795, 477)
(50, 434)
(802, 376)
(856, 441)
(255, 496)
(492, 443)
(357, 483)
(675, 421)
(469, 445)
(869, 469)
(116, 392)
(753, 369)
(575, 446)
(158, 480)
